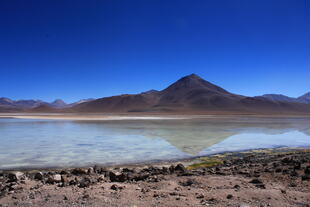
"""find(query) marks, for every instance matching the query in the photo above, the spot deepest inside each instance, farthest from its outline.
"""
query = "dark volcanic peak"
(193, 81)
(192, 91)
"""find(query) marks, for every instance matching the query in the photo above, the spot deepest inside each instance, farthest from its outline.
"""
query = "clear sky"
(80, 49)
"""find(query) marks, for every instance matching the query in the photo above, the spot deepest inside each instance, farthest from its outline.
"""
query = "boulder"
(90, 170)
(84, 183)
(79, 171)
(16, 176)
(38, 176)
(54, 179)
(180, 168)
(118, 177)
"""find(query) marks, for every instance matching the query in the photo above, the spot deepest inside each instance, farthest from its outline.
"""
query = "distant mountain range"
(7, 104)
(190, 94)
(279, 97)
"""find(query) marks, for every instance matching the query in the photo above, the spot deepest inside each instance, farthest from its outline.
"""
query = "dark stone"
(90, 170)
(118, 177)
(116, 187)
(171, 169)
(297, 166)
(180, 168)
(79, 171)
(278, 170)
(84, 183)
(200, 196)
(64, 181)
(294, 173)
(15, 176)
(73, 182)
(229, 196)
(138, 176)
(54, 179)
(256, 181)
(305, 177)
(165, 170)
(188, 182)
(287, 160)
(262, 186)
(39, 176)
(237, 186)
(63, 172)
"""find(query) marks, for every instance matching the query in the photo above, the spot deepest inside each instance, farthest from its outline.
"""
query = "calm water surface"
(56, 143)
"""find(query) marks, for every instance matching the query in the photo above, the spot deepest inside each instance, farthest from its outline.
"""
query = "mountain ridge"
(189, 94)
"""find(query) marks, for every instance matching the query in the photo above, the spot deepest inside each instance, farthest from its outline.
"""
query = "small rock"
(116, 187)
(85, 182)
(117, 177)
(229, 196)
(256, 181)
(237, 186)
(305, 177)
(31, 195)
(39, 176)
(54, 179)
(200, 196)
(188, 182)
(90, 170)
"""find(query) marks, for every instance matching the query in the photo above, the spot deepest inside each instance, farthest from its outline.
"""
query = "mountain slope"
(21, 104)
(304, 98)
(189, 94)
(279, 97)
(58, 103)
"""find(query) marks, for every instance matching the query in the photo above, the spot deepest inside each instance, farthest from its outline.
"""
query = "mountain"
(8, 105)
(190, 94)
(43, 108)
(194, 92)
(81, 101)
(58, 103)
(6, 102)
(279, 97)
(21, 104)
(304, 98)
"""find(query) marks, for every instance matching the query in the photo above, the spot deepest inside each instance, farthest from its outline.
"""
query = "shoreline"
(161, 162)
(266, 177)
(139, 116)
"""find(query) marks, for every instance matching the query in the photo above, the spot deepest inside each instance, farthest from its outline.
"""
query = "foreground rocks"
(238, 179)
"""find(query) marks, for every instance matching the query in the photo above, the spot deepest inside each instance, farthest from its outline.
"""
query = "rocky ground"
(262, 178)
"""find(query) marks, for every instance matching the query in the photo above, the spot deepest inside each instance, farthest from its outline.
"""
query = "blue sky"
(79, 49)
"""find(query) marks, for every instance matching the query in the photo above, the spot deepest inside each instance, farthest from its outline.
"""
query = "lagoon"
(42, 143)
